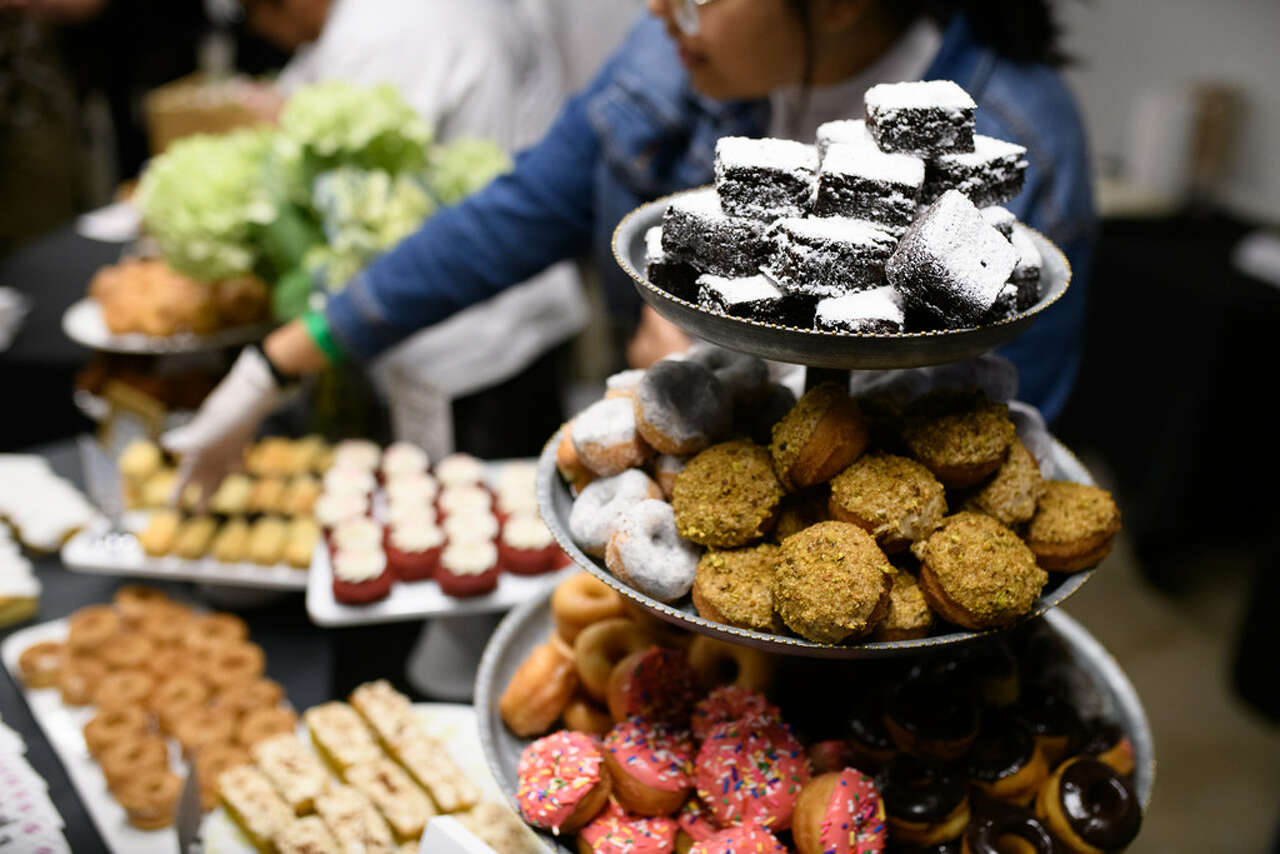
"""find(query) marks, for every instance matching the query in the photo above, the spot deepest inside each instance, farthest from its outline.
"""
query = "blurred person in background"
(689, 73)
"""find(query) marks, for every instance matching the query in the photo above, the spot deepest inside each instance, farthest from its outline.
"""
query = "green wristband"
(317, 326)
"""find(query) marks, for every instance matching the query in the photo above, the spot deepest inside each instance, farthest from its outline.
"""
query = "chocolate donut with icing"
(932, 715)
(1106, 742)
(1052, 721)
(926, 802)
(1089, 808)
(868, 737)
(1001, 828)
(1006, 762)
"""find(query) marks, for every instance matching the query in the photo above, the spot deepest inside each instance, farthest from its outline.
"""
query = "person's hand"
(211, 444)
(655, 338)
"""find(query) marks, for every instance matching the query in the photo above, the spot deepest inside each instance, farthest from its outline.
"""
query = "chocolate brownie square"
(697, 231)
(842, 132)
(1026, 272)
(753, 297)
(951, 262)
(675, 277)
(925, 117)
(1001, 219)
(990, 174)
(859, 180)
(828, 256)
(765, 179)
(874, 311)
(1005, 306)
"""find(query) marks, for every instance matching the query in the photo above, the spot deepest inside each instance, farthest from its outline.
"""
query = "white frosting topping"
(526, 531)
(333, 507)
(459, 469)
(468, 526)
(405, 512)
(358, 533)
(348, 478)
(865, 160)
(783, 155)
(510, 503)
(359, 565)
(419, 488)
(460, 499)
(740, 290)
(416, 535)
(403, 457)
(875, 304)
(469, 558)
(357, 453)
(606, 422)
(518, 476)
(918, 94)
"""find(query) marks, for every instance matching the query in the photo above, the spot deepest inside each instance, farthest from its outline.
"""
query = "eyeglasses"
(686, 15)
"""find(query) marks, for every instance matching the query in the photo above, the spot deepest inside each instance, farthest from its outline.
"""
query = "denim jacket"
(639, 131)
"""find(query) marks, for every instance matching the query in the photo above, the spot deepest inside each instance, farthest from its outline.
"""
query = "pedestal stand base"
(443, 662)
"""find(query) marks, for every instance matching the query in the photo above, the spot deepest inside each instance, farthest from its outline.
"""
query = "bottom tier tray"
(531, 624)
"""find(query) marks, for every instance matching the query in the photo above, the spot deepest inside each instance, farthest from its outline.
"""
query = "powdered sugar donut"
(647, 553)
(596, 510)
(606, 438)
(745, 377)
(623, 383)
(665, 469)
(681, 408)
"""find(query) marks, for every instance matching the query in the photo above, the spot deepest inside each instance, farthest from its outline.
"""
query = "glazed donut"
(615, 831)
(681, 408)
(650, 765)
(134, 601)
(583, 715)
(840, 812)
(149, 798)
(569, 464)
(580, 600)
(600, 646)
(165, 623)
(1053, 722)
(261, 724)
(868, 737)
(78, 680)
(124, 688)
(997, 827)
(538, 692)
(821, 435)
(1107, 743)
(562, 783)
(656, 684)
(645, 552)
(201, 727)
(41, 664)
(113, 725)
(215, 630)
(596, 510)
(123, 760)
(747, 838)
(606, 437)
(1089, 807)
(90, 627)
(926, 802)
(751, 772)
(1006, 762)
(719, 663)
(729, 703)
(127, 651)
(235, 662)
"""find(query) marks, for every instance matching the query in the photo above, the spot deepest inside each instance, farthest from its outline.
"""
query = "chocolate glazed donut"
(1089, 807)
(926, 802)
(1006, 762)
(933, 717)
(1106, 742)
(999, 828)
(1053, 722)
(869, 739)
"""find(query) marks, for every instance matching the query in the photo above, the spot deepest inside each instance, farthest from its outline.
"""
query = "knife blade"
(187, 821)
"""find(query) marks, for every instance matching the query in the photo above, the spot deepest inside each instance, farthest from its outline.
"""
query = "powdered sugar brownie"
(605, 437)
(1026, 272)
(990, 174)
(999, 218)
(753, 297)
(696, 230)
(859, 180)
(927, 117)
(951, 262)
(665, 271)
(459, 470)
(843, 132)
(875, 311)
(468, 568)
(764, 178)
(830, 256)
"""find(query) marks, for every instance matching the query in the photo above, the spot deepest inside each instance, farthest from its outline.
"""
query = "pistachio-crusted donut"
(895, 499)
(822, 434)
(647, 553)
(831, 583)
(1010, 497)
(606, 439)
(727, 495)
(681, 408)
(960, 435)
(1073, 527)
(735, 586)
(597, 508)
(909, 615)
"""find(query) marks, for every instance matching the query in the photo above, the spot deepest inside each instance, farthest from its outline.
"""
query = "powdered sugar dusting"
(653, 250)
(605, 422)
(884, 303)
(865, 160)
(740, 290)
(845, 132)
(659, 561)
(1029, 260)
(999, 218)
(919, 94)
(985, 149)
(783, 155)
(836, 228)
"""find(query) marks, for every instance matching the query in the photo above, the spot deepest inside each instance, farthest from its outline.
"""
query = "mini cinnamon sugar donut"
(821, 435)
(124, 688)
(727, 495)
(243, 697)
(840, 812)
(926, 802)
(600, 646)
(1010, 497)
(959, 435)
(751, 772)
(150, 798)
(580, 600)
(585, 716)
(215, 630)
(996, 827)
(236, 662)
(79, 678)
(201, 727)
(718, 663)
(646, 553)
(134, 601)
(680, 407)
(539, 691)
(909, 615)
(112, 725)
(735, 587)
(123, 760)
(650, 766)
(562, 783)
(1089, 807)
(1005, 761)
(175, 696)
(895, 499)
(606, 439)
(261, 724)
(126, 651)
(615, 831)
(729, 703)
(596, 510)
(92, 626)
(41, 664)
(569, 464)
(978, 574)
(1106, 742)
(1073, 527)
(656, 684)
(165, 623)
(831, 583)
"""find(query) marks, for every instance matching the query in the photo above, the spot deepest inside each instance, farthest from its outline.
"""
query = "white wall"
(1128, 47)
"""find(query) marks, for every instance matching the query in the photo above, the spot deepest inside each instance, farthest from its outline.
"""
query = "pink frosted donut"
(597, 508)
(840, 812)
(650, 765)
(647, 553)
(694, 822)
(605, 437)
(656, 684)
(681, 408)
(615, 831)
(751, 772)
(731, 703)
(747, 839)
(561, 782)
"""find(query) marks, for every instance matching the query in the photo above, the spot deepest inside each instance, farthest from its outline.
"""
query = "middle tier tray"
(555, 502)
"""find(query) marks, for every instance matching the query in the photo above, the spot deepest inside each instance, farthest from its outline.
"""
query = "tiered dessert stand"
(828, 356)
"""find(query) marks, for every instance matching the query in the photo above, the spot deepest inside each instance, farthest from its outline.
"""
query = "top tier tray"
(829, 349)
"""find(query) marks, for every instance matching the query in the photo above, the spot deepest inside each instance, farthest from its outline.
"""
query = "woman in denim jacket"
(689, 73)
